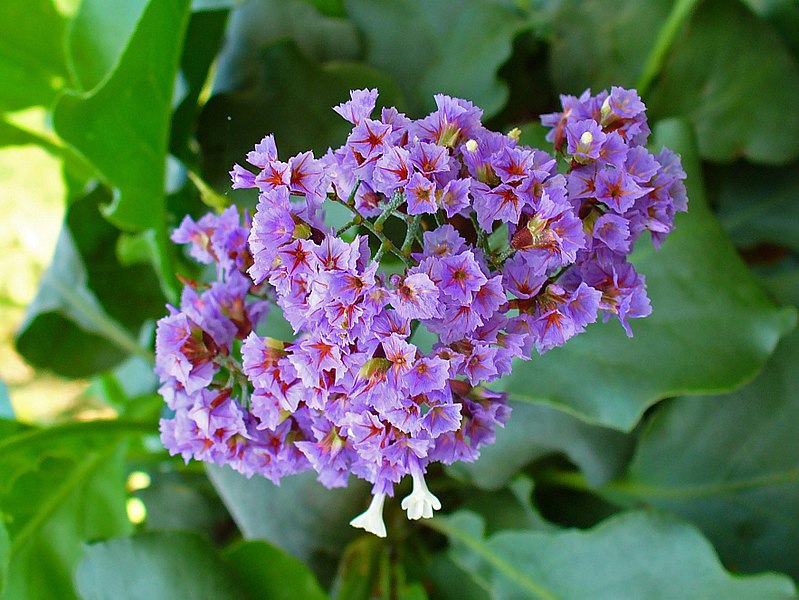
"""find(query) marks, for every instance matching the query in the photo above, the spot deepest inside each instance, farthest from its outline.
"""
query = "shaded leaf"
(536, 430)
(507, 508)
(729, 97)
(5, 555)
(156, 565)
(757, 205)
(729, 464)
(634, 555)
(300, 516)
(292, 98)
(268, 572)
(699, 287)
(453, 48)
(122, 126)
(359, 569)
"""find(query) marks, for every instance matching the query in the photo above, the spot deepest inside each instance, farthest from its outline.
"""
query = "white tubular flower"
(372, 519)
(420, 504)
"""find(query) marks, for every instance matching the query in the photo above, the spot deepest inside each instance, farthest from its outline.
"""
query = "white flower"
(372, 519)
(420, 504)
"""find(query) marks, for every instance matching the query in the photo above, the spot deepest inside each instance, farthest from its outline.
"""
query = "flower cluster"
(501, 252)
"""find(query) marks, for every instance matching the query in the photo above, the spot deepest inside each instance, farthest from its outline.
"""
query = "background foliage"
(659, 467)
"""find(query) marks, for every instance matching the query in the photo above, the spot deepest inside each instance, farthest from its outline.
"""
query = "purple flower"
(461, 276)
(584, 139)
(416, 298)
(359, 107)
(420, 194)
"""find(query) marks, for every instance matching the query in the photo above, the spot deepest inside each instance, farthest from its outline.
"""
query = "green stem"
(410, 235)
(79, 429)
(209, 196)
(393, 204)
(654, 62)
(385, 243)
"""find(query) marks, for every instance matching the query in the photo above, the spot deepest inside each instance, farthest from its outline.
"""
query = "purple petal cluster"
(503, 253)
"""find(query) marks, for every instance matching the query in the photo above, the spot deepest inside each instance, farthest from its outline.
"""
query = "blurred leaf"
(634, 555)
(449, 582)
(293, 99)
(54, 510)
(359, 569)
(601, 43)
(122, 126)
(87, 306)
(758, 204)
(711, 330)
(732, 98)
(434, 47)
(254, 26)
(98, 35)
(5, 555)
(783, 15)
(156, 565)
(507, 508)
(535, 430)
(268, 572)
(729, 464)
(300, 516)
(330, 8)
(32, 64)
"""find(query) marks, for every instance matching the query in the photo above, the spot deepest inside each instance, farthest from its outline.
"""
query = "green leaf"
(32, 64)
(5, 555)
(737, 106)
(82, 318)
(507, 508)
(536, 430)
(454, 48)
(359, 569)
(758, 205)
(157, 565)
(729, 464)
(268, 572)
(98, 35)
(634, 555)
(738, 102)
(6, 409)
(711, 330)
(293, 99)
(122, 126)
(53, 510)
(300, 516)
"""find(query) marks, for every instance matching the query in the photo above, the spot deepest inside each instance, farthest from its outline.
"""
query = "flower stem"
(680, 11)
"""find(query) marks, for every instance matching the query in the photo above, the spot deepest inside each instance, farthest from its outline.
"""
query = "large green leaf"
(536, 430)
(292, 98)
(32, 64)
(729, 463)
(737, 101)
(54, 508)
(711, 330)
(156, 566)
(434, 47)
(5, 555)
(85, 311)
(98, 35)
(758, 205)
(300, 516)
(122, 126)
(634, 555)
(267, 570)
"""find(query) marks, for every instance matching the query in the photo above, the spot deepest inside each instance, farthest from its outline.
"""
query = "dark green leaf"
(268, 572)
(122, 126)
(454, 48)
(32, 64)
(712, 326)
(293, 99)
(757, 205)
(507, 508)
(300, 516)
(738, 102)
(729, 463)
(359, 569)
(535, 430)
(634, 555)
(98, 35)
(157, 565)
(449, 582)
